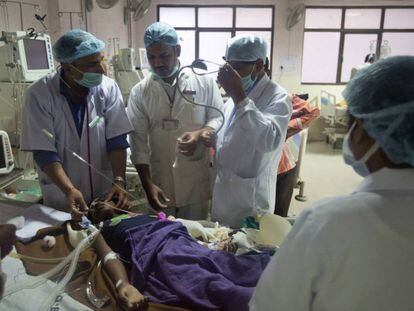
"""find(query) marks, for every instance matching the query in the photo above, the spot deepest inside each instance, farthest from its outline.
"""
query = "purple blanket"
(171, 268)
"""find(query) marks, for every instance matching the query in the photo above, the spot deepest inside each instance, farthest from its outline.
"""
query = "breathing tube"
(71, 260)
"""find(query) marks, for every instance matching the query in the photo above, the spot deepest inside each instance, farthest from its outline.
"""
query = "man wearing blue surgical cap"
(250, 145)
(166, 145)
(83, 110)
(356, 252)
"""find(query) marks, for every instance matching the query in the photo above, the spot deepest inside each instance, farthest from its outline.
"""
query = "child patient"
(159, 259)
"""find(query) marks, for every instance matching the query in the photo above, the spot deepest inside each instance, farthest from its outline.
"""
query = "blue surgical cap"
(382, 95)
(161, 33)
(246, 48)
(76, 44)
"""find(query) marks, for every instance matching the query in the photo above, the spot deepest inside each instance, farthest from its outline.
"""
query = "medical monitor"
(25, 58)
(6, 156)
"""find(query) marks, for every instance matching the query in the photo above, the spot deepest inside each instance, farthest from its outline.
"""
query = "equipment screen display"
(36, 54)
(2, 158)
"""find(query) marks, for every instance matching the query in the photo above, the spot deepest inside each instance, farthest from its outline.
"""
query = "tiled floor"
(325, 174)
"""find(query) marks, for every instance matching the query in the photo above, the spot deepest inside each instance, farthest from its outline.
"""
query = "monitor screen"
(2, 157)
(36, 54)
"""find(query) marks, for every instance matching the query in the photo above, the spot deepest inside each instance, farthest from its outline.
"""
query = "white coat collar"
(182, 76)
(388, 179)
(66, 109)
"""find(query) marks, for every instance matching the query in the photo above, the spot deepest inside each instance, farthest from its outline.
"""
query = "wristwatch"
(119, 179)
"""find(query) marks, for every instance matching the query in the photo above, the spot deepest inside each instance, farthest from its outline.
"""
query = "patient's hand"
(131, 298)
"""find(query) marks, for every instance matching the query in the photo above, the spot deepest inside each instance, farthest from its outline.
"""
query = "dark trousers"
(284, 190)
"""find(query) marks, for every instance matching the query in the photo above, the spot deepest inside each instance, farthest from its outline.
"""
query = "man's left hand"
(208, 137)
(187, 143)
(119, 195)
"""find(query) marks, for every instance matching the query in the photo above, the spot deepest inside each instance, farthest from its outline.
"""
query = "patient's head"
(101, 210)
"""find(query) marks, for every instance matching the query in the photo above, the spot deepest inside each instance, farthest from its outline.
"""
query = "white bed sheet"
(36, 217)
(31, 299)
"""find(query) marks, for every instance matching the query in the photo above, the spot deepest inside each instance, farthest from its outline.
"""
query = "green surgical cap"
(247, 48)
(76, 44)
(161, 33)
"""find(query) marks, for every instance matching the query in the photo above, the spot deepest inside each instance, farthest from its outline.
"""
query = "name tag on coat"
(170, 124)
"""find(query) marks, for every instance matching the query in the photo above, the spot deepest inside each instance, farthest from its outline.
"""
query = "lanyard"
(169, 97)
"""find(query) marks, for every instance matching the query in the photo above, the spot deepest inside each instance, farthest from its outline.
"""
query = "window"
(338, 38)
(205, 29)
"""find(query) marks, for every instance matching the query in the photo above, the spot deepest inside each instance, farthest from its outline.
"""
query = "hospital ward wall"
(288, 44)
(63, 15)
(14, 18)
(106, 24)
(288, 50)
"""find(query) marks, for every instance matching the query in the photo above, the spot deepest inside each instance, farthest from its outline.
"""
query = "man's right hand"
(156, 197)
(76, 204)
(7, 238)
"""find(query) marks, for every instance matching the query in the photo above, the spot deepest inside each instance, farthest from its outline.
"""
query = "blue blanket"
(170, 267)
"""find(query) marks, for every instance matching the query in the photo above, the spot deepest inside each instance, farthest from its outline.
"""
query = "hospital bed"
(39, 221)
(335, 116)
(300, 183)
(90, 283)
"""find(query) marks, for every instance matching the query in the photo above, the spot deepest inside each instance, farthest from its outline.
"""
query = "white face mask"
(359, 166)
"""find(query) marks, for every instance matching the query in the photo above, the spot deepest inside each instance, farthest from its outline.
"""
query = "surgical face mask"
(359, 166)
(89, 79)
(173, 72)
(248, 82)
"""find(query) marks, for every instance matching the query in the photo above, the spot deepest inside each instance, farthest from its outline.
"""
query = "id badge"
(170, 124)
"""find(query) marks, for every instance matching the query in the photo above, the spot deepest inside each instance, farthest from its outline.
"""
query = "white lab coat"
(354, 252)
(248, 152)
(188, 182)
(46, 108)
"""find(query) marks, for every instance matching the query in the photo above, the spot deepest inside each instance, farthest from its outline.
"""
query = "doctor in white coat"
(166, 146)
(356, 252)
(250, 144)
(83, 110)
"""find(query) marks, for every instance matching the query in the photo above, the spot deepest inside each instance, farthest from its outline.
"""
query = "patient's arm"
(131, 298)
